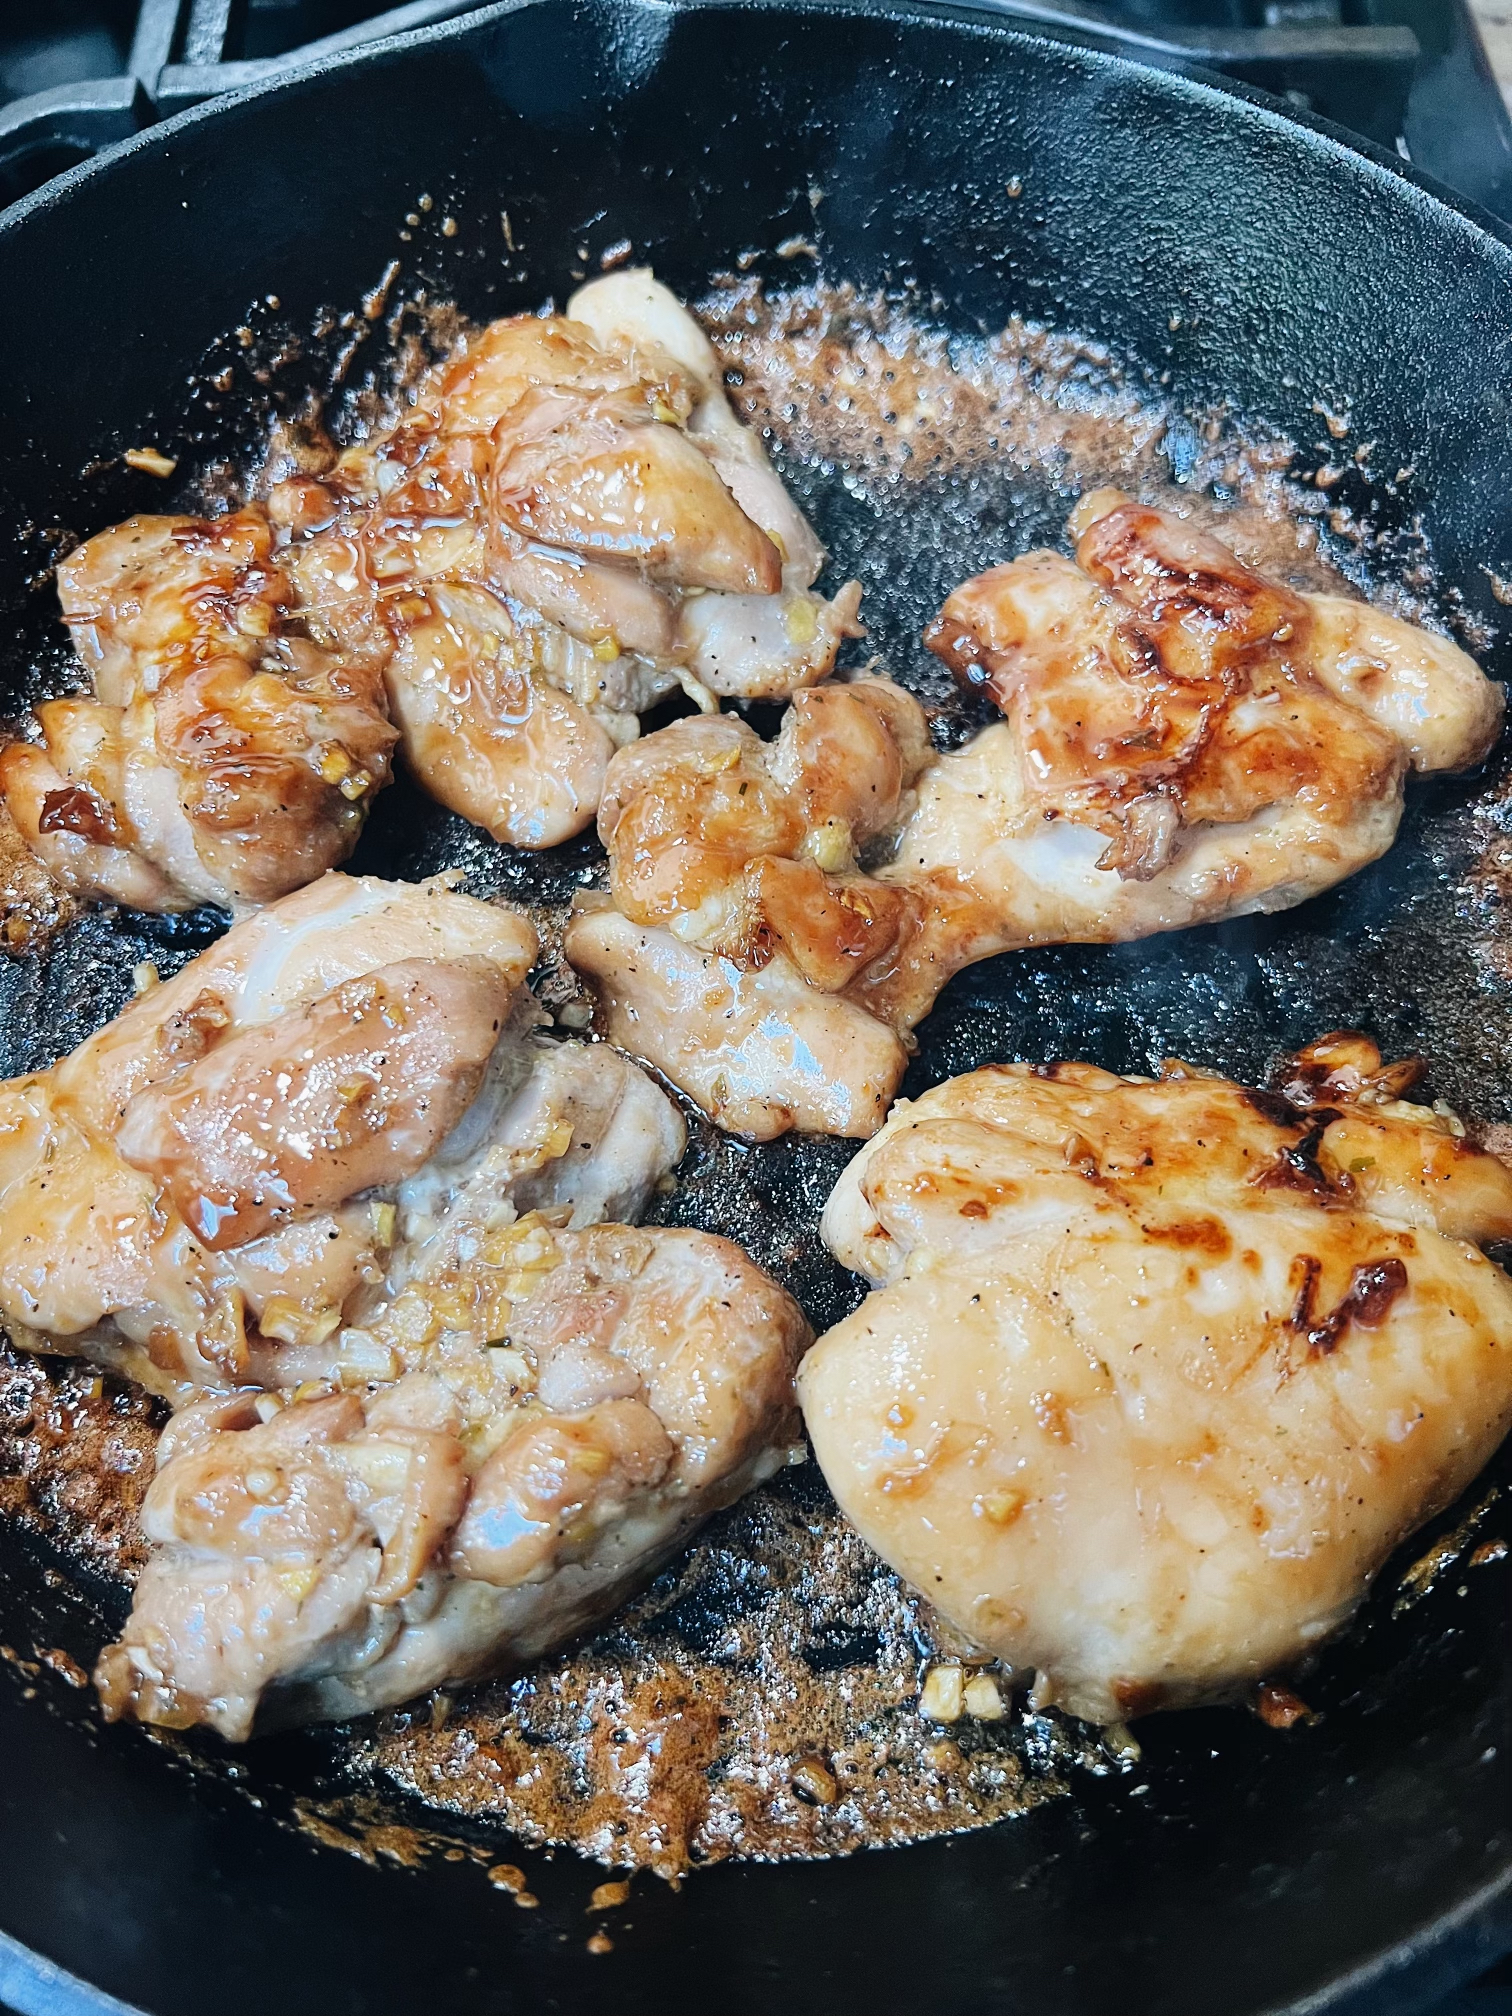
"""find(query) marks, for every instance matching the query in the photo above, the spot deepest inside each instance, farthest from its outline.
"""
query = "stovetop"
(1410, 75)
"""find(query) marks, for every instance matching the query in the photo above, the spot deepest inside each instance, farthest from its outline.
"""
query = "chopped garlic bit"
(814, 1782)
(998, 1508)
(705, 701)
(1042, 1693)
(297, 1581)
(144, 977)
(982, 1699)
(512, 1366)
(364, 1360)
(943, 1698)
(383, 1466)
(290, 1322)
(830, 846)
(800, 619)
(410, 1321)
(151, 461)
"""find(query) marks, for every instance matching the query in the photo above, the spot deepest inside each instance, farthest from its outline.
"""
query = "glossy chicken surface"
(566, 524)
(1183, 740)
(740, 914)
(573, 1404)
(1155, 1375)
(223, 757)
(292, 1074)
(331, 1193)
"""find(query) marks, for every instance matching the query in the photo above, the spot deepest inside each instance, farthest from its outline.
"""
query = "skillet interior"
(1253, 1869)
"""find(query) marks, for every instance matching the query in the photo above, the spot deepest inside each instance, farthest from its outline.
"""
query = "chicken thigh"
(566, 524)
(1155, 1375)
(1183, 740)
(206, 1191)
(739, 914)
(224, 756)
(574, 1404)
(330, 1193)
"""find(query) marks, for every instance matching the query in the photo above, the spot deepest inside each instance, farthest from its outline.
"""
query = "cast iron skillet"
(1359, 1862)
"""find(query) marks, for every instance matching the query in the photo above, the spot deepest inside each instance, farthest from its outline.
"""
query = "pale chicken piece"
(559, 1127)
(587, 474)
(1156, 1375)
(1419, 687)
(224, 758)
(346, 1553)
(319, 1051)
(741, 914)
(758, 1048)
(1184, 740)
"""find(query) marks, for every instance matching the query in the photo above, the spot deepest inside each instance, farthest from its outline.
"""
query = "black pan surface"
(1362, 1861)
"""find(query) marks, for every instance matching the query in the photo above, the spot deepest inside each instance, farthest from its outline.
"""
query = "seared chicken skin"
(224, 756)
(739, 913)
(1183, 740)
(568, 523)
(574, 1404)
(1155, 1375)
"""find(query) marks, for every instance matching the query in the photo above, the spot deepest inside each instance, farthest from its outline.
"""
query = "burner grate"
(1411, 75)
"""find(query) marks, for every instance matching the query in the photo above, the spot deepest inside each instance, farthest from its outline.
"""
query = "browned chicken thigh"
(578, 1403)
(224, 757)
(1183, 740)
(567, 523)
(331, 1193)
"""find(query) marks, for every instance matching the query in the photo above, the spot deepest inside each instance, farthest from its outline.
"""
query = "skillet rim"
(1444, 1951)
(981, 16)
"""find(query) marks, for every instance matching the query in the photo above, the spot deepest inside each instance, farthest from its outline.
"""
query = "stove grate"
(1411, 75)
